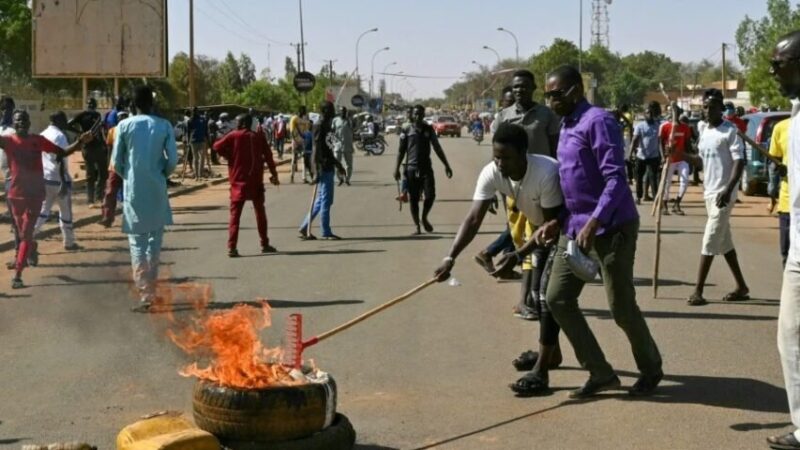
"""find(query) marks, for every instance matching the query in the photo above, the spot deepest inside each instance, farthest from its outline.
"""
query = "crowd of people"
(560, 170)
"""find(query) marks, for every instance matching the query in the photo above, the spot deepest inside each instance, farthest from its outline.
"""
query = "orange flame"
(226, 339)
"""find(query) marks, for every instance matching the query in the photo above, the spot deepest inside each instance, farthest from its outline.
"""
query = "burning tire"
(339, 436)
(274, 414)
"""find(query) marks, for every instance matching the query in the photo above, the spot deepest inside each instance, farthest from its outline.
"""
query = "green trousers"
(615, 252)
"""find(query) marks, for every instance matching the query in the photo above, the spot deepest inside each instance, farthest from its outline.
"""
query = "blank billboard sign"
(99, 38)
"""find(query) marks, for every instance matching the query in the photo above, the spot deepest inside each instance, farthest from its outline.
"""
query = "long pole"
(358, 41)
(516, 42)
(372, 69)
(580, 38)
(724, 81)
(192, 91)
(302, 39)
(496, 53)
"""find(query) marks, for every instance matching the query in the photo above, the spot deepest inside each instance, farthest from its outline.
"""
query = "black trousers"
(96, 160)
(783, 220)
(647, 175)
(420, 182)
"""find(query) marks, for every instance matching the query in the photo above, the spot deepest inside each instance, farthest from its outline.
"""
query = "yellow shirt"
(779, 148)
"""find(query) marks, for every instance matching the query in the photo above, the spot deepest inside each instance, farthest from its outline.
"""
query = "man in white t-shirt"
(785, 68)
(721, 153)
(532, 181)
(57, 182)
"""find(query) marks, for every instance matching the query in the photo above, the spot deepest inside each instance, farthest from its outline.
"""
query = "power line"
(233, 32)
(230, 14)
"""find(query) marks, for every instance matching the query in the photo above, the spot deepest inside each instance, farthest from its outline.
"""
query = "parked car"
(759, 128)
(446, 126)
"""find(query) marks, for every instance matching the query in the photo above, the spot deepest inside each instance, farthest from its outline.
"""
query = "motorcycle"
(478, 136)
(374, 145)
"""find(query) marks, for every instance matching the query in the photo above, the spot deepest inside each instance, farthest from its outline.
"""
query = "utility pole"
(724, 81)
(580, 38)
(302, 39)
(330, 70)
(192, 91)
(269, 62)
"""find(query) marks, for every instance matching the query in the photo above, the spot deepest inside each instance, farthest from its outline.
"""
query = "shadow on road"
(373, 447)
(759, 426)
(745, 394)
(13, 440)
(100, 264)
(221, 306)
(76, 282)
(324, 252)
(605, 315)
(180, 209)
(122, 250)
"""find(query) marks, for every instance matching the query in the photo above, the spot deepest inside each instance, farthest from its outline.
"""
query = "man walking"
(26, 192)
(114, 183)
(324, 164)
(57, 182)
(95, 153)
(646, 150)
(415, 149)
(721, 153)
(246, 153)
(785, 68)
(674, 150)
(344, 143)
(602, 220)
(144, 156)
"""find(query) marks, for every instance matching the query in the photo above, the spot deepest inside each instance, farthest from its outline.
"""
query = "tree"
(230, 76)
(625, 88)
(289, 67)
(15, 41)
(756, 40)
(655, 68)
(247, 70)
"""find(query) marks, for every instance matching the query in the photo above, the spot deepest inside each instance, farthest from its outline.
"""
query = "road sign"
(357, 100)
(304, 81)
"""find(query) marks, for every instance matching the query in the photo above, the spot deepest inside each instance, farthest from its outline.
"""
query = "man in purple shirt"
(601, 217)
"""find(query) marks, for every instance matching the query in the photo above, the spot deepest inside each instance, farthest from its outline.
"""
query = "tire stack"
(299, 417)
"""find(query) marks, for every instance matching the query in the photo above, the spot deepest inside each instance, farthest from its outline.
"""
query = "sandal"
(696, 300)
(736, 296)
(525, 361)
(530, 385)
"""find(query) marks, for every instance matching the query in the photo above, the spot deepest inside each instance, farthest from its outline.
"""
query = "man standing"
(785, 68)
(344, 143)
(197, 129)
(114, 183)
(27, 190)
(247, 152)
(95, 153)
(721, 153)
(144, 156)
(779, 148)
(532, 182)
(279, 134)
(675, 149)
(415, 149)
(57, 182)
(506, 100)
(538, 120)
(324, 164)
(645, 147)
(602, 220)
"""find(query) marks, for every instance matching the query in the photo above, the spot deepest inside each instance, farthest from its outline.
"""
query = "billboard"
(99, 38)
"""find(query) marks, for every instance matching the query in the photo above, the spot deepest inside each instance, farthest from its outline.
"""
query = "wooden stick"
(311, 208)
(764, 152)
(374, 311)
(659, 200)
(658, 251)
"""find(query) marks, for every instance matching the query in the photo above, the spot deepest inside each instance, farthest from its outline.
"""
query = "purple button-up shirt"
(592, 168)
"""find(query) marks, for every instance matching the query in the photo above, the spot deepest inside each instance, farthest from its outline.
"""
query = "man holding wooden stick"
(721, 153)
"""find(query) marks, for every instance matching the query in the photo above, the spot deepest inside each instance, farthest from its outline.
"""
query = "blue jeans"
(145, 253)
(503, 243)
(322, 204)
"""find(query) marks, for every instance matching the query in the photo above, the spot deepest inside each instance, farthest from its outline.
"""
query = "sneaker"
(233, 253)
(485, 261)
(73, 247)
(268, 249)
(525, 312)
(17, 283)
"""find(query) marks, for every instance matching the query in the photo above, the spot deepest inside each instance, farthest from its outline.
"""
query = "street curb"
(95, 218)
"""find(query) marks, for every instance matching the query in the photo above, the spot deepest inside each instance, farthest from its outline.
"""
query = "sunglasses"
(557, 94)
(777, 64)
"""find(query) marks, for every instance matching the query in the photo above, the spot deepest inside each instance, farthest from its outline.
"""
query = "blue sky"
(441, 38)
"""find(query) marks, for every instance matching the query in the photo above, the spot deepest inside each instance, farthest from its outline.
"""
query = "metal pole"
(496, 53)
(516, 42)
(85, 90)
(580, 38)
(302, 39)
(372, 69)
(358, 41)
(192, 90)
(724, 81)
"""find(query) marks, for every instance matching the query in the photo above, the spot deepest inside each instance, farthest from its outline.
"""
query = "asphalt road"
(429, 373)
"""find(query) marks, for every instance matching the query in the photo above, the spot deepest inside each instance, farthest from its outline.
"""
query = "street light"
(486, 47)
(516, 42)
(372, 68)
(372, 30)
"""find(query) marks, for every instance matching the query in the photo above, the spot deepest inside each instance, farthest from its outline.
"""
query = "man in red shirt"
(674, 150)
(732, 117)
(247, 152)
(27, 190)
